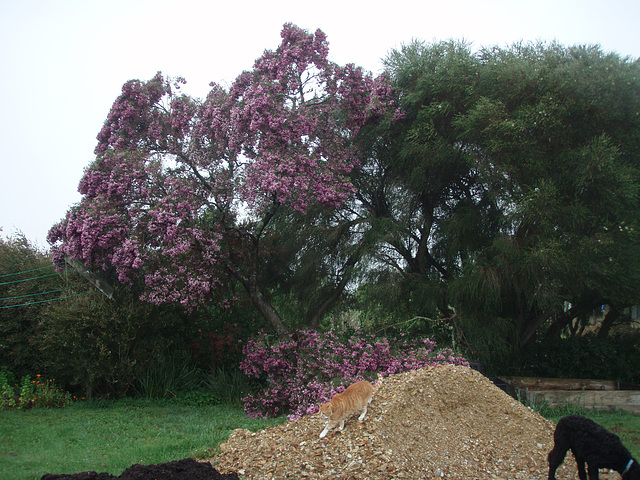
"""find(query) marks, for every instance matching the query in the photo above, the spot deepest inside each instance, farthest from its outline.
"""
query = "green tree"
(28, 281)
(511, 184)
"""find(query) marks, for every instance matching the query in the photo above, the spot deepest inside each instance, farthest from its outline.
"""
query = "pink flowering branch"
(308, 367)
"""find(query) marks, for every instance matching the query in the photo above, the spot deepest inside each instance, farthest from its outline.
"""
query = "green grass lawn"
(112, 437)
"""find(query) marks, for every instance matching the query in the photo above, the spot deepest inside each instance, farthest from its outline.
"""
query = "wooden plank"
(534, 383)
(628, 400)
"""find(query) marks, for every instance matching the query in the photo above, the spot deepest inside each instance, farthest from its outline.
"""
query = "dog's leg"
(556, 456)
(593, 472)
(582, 473)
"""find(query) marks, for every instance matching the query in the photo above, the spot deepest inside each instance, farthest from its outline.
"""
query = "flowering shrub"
(310, 367)
(31, 393)
(41, 393)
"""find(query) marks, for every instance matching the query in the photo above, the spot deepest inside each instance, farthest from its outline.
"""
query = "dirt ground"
(187, 469)
(445, 422)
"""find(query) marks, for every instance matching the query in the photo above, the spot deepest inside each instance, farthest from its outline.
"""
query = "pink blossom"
(160, 202)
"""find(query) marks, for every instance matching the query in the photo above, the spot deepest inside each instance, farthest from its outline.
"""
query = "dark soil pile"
(445, 422)
(187, 469)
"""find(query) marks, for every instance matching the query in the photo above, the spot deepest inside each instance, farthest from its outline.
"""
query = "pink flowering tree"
(306, 367)
(183, 194)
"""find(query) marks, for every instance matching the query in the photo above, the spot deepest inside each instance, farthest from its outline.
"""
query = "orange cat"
(353, 400)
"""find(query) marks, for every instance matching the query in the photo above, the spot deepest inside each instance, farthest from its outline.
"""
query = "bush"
(28, 282)
(588, 356)
(230, 385)
(42, 393)
(168, 376)
(308, 367)
(8, 397)
(36, 393)
(99, 347)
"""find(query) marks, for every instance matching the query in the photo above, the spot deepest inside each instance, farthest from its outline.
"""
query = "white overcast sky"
(63, 63)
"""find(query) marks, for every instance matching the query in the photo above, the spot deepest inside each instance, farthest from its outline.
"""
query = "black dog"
(590, 443)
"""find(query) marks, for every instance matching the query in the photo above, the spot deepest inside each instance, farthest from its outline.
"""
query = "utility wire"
(26, 271)
(28, 279)
(36, 294)
(43, 301)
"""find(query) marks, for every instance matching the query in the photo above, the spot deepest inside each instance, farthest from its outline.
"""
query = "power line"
(26, 271)
(43, 301)
(28, 279)
(40, 293)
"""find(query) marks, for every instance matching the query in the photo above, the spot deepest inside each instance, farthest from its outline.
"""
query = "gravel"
(443, 422)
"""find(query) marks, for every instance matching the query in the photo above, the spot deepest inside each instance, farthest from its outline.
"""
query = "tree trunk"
(564, 319)
(608, 321)
(334, 296)
(263, 306)
(267, 310)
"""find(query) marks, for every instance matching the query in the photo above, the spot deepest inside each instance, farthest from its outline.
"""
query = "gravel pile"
(446, 422)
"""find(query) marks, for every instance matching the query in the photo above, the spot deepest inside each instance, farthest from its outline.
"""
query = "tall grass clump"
(167, 376)
(307, 367)
(230, 386)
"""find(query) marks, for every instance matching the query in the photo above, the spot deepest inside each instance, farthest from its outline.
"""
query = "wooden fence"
(588, 394)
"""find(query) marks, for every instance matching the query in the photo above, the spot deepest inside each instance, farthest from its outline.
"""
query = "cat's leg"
(327, 427)
(364, 412)
(341, 427)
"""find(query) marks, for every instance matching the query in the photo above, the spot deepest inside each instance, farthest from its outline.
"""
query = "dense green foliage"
(26, 275)
(91, 345)
(102, 345)
(605, 358)
(509, 190)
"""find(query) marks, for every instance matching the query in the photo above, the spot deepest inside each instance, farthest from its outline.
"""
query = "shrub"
(217, 348)
(588, 356)
(308, 367)
(99, 346)
(167, 376)
(27, 283)
(230, 385)
(36, 393)
(7, 391)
